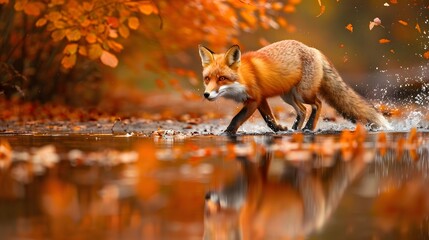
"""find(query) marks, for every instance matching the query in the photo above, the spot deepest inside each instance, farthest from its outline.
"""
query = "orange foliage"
(97, 27)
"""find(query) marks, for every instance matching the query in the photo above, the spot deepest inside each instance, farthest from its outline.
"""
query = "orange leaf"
(83, 51)
(349, 27)
(113, 22)
(403, 22)
(109, 59)
(94, 51)
(384, 40)
(124, 31)
(19, 6)
(322, 10)
(289, 8)
(54, 16)
(418, 28)
(91, 38)
(117, 47)
(73, 35)
(146, 8)
(426, 55)
(33, 8)
(88, 6)
(41, 22)
(133, 23)
(160, 84)
(69, 61)
(393, 1)
(58, 35)
(249, 16)
(70, 49)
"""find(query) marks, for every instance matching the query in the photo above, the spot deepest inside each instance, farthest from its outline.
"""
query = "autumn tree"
(51, 44)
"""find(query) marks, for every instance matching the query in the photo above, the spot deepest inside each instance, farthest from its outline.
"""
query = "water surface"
(353, 185)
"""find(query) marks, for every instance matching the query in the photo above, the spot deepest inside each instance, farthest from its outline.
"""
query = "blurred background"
(115, 54)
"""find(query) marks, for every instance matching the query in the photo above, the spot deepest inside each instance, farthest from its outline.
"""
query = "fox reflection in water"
(288, 204)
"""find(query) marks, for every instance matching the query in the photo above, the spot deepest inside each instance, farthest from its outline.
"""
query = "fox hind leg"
(314, 115)
(300, 109)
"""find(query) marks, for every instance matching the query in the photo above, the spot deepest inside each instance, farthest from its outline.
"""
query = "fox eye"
(222, 78)
(206, 79)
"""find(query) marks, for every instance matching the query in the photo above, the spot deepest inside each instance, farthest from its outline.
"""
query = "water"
(353, 185)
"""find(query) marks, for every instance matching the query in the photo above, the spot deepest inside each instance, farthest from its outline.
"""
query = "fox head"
(221, 74)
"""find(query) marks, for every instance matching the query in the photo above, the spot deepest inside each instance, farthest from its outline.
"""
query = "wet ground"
(354, 185)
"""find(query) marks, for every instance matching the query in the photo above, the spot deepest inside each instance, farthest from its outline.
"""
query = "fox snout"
(206, 94)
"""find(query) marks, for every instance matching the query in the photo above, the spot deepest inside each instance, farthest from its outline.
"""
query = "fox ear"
(206, 55)
(233, 56)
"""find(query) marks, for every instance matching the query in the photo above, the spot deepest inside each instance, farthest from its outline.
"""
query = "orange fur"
(290, 69)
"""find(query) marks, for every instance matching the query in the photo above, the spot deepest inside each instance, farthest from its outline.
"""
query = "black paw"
(307, 131)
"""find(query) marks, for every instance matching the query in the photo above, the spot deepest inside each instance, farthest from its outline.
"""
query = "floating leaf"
(109, 59)
(322, 10)
(384, 40)
(403, 23)
(418, 28)
(349, 27)
(371, 25)
(133, 23)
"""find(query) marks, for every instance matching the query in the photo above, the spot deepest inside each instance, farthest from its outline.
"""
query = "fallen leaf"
(402, 22)
(418, 28)
(426, 55)
(349, 27)
(371, 25)
(384, 40)
(393, 1)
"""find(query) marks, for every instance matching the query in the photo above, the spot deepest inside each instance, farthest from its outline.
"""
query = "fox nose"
(206, 94)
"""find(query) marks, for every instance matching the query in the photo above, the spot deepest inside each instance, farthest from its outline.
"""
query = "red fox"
(299, 74)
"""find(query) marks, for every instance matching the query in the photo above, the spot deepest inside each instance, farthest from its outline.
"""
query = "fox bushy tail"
(346, 101)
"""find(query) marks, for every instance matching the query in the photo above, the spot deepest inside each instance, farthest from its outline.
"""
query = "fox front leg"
(249, 108)
(268, 116)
